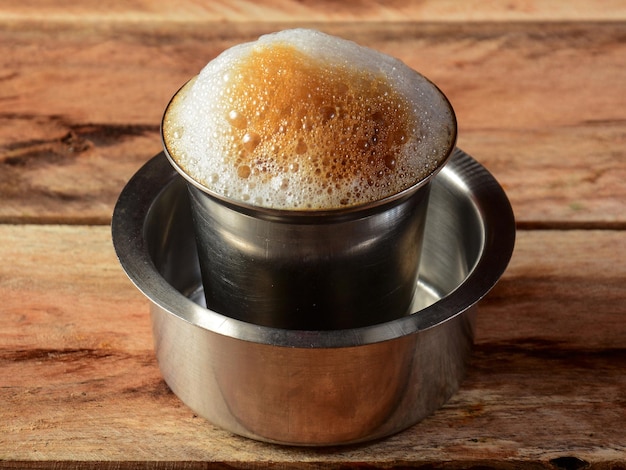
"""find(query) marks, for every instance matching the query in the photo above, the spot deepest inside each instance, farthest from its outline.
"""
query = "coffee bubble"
(302, 120)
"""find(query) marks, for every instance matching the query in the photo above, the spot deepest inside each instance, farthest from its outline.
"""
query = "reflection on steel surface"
(316, 387)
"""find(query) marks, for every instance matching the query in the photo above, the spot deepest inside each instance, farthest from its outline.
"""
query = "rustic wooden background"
(540, 94)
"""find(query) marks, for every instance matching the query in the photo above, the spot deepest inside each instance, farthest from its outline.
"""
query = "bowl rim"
(489, 198)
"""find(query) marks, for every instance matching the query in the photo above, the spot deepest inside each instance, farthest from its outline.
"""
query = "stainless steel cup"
(310, 270)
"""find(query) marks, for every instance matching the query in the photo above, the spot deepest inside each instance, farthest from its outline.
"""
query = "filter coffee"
(301, 120)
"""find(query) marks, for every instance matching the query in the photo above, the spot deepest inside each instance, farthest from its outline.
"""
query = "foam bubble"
(303, 120)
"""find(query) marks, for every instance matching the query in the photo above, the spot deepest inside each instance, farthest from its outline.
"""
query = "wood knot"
(569, 463)
(75, 143)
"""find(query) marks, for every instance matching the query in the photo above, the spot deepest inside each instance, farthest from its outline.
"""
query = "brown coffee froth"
(291, 114)
(295, 131)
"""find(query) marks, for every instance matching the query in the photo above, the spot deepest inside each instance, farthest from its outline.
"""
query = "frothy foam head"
(302, 120)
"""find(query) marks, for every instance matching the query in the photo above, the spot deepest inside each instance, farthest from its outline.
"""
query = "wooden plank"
(565, 177)
(319, 10)
(80, 387)
(542, 105)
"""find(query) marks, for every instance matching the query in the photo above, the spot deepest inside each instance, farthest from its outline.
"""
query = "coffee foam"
(303, 120)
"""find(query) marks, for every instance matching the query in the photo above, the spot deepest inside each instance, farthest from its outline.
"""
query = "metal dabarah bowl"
(308, 387)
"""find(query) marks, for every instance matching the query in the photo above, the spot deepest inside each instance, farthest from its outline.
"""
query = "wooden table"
(540, 93)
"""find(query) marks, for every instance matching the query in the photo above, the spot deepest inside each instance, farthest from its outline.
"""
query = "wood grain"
(87, 101)
(540, 93)
(546, 380)
(309, 10)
